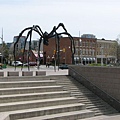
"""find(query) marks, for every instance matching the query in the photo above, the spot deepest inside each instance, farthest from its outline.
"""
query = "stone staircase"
(41, 98)
(85, 96)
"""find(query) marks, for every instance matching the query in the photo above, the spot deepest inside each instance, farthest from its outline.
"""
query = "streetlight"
(48, 63)
(101, 56)
(54, 62)
(48, 57)
(2, 46)
(80, 50)
(2, 49)
(64, 50)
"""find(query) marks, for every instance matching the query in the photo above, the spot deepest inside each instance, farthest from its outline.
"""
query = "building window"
(76, 43)
(86, 52)
(83, 51)
(76, 52)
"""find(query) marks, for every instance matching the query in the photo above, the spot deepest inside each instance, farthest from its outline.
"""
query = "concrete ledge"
(4, 116)
(100, 81)
(27, 73)
(15, 73)
(39, 73)
(2, 74)
(22, 73)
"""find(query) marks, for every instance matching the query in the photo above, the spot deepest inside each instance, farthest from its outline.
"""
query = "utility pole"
(2, 46)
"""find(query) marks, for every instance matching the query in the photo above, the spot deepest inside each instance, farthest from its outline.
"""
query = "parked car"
(17, 63)
(31, 64)
(63, 66)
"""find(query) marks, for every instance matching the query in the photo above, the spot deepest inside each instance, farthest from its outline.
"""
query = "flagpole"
(2, 46)
(2, 36)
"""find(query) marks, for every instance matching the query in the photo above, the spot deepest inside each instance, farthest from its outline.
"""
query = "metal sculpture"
(45, 38)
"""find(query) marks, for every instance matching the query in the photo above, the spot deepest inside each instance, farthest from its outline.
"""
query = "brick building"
(85, 49)
(65, 51)
(88, 49)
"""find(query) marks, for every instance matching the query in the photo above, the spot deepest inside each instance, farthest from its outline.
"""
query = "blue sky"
(98, 17)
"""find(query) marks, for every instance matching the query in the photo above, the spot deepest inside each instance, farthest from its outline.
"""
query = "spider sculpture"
(45, 38)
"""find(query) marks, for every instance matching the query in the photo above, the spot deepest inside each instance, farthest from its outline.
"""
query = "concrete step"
(36, 103)
(31, 78)
(28, 97)
(92, 106)
(86, 97)
(28, 106)
(24, 90)
(23, 78)
(28, 113)
(74, 115)
(95, 101)
(102, 111)
(26, 83)
(33, 96)
(105, 117)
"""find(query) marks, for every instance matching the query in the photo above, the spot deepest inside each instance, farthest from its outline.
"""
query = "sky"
(98, 17)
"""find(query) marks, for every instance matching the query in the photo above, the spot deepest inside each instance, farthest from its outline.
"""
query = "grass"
(96, 64)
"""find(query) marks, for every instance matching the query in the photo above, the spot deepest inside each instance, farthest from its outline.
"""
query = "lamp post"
(48, 57)
(2, 46)
(101, 56)
(48, 63)
(80, 50)
(2, 49)
(93, 55)
(64, 50)
(54, 62)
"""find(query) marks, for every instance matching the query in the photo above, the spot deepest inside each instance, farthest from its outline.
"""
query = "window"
(76, 52)
(83, 51)
(76, 43)
(86, 52)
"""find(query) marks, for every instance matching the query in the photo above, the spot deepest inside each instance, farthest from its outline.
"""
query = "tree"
(5, 52)
(118, 48)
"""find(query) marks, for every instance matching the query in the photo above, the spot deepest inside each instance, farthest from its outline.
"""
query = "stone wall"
(105, 78)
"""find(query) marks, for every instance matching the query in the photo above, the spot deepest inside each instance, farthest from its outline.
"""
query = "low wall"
(22, 73)
(106, 79)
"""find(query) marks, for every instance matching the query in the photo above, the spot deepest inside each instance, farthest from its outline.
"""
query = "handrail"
(96, 90)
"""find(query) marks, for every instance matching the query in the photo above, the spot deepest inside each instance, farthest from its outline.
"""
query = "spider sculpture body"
(45, 38)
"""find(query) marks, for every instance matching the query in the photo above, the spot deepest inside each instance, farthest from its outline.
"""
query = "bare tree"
(118, 48)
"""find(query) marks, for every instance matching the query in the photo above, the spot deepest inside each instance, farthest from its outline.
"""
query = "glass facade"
(21, 42)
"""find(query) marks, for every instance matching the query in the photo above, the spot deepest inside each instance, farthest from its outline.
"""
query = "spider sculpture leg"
(25, 46)
(38, 59)
(54, 33)
(15, 44)
(37, 29)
